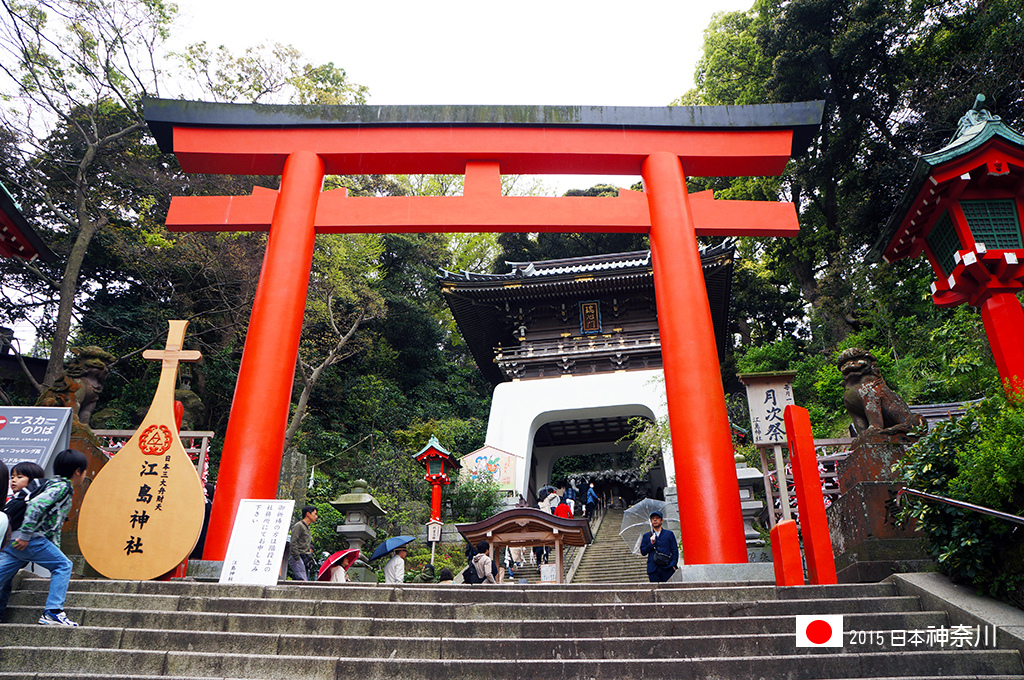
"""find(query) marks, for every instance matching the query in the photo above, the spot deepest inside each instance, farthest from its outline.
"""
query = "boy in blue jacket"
(38, 539)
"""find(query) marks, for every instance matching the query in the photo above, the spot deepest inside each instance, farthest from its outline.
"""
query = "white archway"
(520, 408)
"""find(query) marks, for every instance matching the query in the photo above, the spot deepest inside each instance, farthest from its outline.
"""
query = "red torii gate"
(663, 145)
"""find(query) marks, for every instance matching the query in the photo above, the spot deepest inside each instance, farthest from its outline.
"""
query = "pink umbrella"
(335, 559)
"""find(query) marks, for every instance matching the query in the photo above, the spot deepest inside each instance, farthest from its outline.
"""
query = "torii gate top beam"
(482, 142)
(256, 139)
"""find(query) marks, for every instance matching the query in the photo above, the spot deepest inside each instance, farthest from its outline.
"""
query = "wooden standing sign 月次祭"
(143, 512)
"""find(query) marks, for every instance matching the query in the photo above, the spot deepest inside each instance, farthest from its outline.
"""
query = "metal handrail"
(1005, 516)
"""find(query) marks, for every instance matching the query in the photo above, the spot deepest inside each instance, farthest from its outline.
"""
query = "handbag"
(662, 559)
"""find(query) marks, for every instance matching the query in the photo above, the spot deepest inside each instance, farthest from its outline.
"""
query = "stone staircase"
(315, 631)
(607, 559)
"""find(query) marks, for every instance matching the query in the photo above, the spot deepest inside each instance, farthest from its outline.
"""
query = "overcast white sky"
(477, 52)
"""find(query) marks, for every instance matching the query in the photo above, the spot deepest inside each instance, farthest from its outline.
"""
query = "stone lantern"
(963, 212)
(358, 506)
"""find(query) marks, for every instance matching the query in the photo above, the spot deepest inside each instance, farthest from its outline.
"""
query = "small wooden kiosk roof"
(527, 527)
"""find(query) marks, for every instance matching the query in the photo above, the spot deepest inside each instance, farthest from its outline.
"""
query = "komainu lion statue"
(82, 383)
(872, 405)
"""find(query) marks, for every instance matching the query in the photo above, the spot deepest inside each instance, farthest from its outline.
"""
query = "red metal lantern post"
(438, 462)
(963, 211)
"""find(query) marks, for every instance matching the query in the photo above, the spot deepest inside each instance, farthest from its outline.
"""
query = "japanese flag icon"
(823, 630)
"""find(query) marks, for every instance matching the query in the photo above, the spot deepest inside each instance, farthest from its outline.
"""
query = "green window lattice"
(943, 241)
(993, 223)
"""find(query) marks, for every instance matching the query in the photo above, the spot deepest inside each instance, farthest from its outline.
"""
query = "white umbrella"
(636, 521)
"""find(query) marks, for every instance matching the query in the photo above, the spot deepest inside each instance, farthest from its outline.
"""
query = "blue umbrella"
(390, 544)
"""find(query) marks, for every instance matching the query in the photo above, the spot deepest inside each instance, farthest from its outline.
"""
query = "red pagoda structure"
(963, 211)
(17, 237)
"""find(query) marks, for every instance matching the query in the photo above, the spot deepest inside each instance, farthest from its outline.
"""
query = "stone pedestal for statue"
(867, 544)
(82, 439)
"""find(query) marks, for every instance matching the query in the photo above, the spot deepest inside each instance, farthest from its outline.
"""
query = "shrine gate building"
(573, 350)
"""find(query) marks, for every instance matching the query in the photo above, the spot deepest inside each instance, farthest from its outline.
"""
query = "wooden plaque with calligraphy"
(143, 512)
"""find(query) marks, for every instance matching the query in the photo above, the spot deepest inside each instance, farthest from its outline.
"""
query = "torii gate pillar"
(662, 144)
(262, 401)
(705, 468)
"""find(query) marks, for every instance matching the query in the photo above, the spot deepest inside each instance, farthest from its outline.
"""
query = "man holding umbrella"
(394, 570)
(661, 549)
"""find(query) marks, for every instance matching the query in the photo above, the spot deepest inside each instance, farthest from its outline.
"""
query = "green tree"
(268, 73)
(341, 298)
(894, 77)
(74, 73)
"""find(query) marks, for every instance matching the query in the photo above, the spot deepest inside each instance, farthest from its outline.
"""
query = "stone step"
(201, 630)
(68, 661)
(428, 647)
(23, 623)
(95, 676)
(458, 610)
(534, 594)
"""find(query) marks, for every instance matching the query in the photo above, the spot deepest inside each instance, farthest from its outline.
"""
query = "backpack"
(470, 576)
(15, 509)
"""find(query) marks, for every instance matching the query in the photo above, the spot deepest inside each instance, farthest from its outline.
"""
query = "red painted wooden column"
(435, 501)
(1004, 325)
(711, 522)
(789, 566)
(821, 563)
(254, 442)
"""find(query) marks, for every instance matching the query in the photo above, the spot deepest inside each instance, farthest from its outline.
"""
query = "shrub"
(474, 501)
(978, 458)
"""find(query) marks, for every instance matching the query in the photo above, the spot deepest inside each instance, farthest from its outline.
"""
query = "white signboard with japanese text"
(767, 401)
(33, 434)
(548, 573)
(257, 542)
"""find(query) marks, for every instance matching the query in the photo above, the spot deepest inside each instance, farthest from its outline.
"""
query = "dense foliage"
(978, 458)
(883, 70)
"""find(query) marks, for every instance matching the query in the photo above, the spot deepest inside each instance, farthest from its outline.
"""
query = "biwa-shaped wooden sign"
(143, 512)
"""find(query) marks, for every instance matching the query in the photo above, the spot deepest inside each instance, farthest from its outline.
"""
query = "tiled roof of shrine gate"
(803, 118)
(476, 298)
